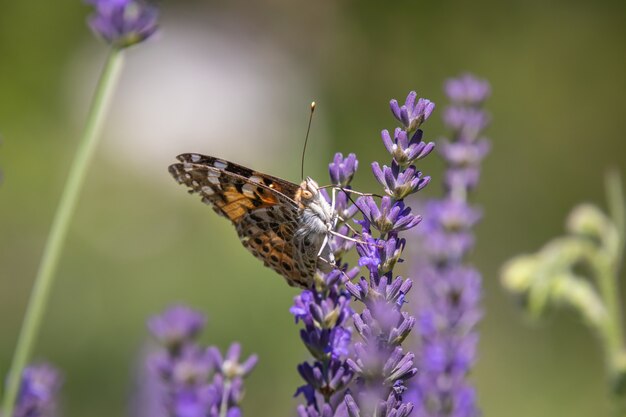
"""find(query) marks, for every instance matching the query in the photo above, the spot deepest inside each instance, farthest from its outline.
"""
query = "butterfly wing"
(260, 206)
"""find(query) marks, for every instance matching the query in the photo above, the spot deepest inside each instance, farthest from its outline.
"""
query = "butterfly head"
(308, 192)
(313, 204)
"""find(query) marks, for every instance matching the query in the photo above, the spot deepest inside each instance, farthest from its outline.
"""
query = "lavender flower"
(466, 120)
(448, 309)
(176, 326)
(342, 169)
(324, 312)
(399, 183)
(413, 113)
(194, 381)
(380, 364)
(123, 23)
(467, 89)
(38, 392)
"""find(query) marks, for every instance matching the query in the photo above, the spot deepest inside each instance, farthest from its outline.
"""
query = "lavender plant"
(191, 380)
(325, 311)
(582, 270)
(121, 23)
(448, 309)
(38, 392)
(380, 364)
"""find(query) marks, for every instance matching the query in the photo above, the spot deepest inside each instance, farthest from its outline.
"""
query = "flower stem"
(225, 395)
(611, 293)
(58, 232)
(617, 209)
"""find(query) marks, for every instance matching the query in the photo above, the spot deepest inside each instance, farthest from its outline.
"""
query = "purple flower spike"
(381, 366)
(176, 326)
(123, 23)
(325, 311)
(449, 308)
(327, 338)
(38, 392)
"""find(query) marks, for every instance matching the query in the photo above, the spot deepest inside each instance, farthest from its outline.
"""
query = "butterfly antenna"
(306, 139)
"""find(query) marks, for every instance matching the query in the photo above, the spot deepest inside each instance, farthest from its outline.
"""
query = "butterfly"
(285, 225)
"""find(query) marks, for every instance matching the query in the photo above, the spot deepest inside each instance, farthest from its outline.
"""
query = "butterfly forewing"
(262, 208)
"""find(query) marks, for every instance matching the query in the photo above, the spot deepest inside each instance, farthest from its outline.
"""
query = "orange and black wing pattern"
(261, 207)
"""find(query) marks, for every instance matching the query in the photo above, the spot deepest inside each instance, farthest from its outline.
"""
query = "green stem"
(225, 395)
(610, 289)
(617, 209)
(612, 330)
(58, 232)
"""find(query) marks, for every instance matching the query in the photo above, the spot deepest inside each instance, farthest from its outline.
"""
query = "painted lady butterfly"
(285, 225)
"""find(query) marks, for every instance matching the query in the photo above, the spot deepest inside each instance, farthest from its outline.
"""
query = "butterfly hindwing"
(268, 233)
(261, 207)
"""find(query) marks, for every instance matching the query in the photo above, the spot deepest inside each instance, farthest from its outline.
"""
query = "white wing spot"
(248, 190)
(219, 164)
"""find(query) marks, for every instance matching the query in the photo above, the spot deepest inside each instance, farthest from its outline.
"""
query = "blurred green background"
(234, 79)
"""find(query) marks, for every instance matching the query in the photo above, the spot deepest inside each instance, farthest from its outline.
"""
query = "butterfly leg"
(339, 218)
(332, 205)
(362, 242)
(351, 191)
(345, 222)
(324, 243)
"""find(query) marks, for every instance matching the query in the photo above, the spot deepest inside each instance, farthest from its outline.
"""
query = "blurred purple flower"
(467, 89)
(193, 381)
(229, 366)
(464, 159)
(448, 308)
(123, 23)
(448, 225)
(379, 362)
(177, 325)
(38, 392)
